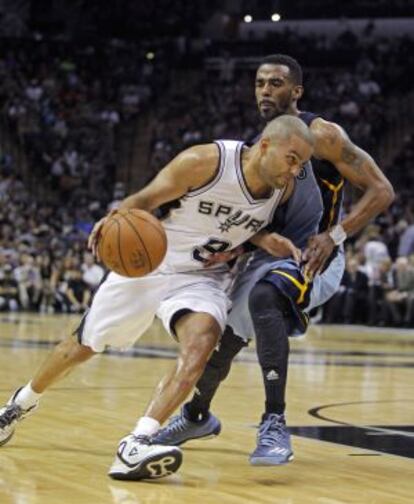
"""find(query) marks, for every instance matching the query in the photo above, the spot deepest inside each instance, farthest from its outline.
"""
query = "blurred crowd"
(63, 105)
(44, 265)
(347, 78)
(378, 284)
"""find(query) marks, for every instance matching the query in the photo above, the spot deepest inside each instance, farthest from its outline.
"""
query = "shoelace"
(142, 439)
(271, 432)
(177, 424)
(13, 412)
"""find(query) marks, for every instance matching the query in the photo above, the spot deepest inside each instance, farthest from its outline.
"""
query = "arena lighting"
(150, 55)
(276, 17)
(248, 18)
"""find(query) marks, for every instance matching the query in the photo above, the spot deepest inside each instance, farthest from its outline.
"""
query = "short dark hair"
(283, 59)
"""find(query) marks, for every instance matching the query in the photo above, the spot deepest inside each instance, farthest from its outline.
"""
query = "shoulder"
(199, 164)
(204, 153)
(329, 138)
(326, 131)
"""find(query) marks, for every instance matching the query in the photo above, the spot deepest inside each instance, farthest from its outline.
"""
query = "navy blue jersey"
(330, 182)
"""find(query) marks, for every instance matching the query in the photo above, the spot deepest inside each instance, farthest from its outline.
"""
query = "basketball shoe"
(273, 442)
(180, 429)
(10, 415)
(137, 458)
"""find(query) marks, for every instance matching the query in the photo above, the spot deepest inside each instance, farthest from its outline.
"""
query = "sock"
(146, 426)
(27, 397)
(268, 310)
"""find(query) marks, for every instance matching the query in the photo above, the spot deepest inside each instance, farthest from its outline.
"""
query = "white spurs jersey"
(216, 217)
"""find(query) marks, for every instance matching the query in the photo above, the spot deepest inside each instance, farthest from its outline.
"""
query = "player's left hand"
(95, 234)
(223, 257)
(319, 248)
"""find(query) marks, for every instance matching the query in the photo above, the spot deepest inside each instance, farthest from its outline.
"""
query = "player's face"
(275, 93)
(282, 161)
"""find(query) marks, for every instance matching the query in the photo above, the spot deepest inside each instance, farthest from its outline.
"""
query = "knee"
(264, 296)
(71, 350)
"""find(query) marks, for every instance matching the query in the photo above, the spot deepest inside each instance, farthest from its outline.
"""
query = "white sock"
(146, 426)
(27, 397)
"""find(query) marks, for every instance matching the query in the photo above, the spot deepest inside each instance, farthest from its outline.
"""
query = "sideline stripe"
(246, 357)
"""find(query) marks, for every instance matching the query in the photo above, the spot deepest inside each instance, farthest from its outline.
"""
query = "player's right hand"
(95, 234)
(277, 245)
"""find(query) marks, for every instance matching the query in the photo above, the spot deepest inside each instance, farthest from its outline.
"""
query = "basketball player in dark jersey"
(271, 297)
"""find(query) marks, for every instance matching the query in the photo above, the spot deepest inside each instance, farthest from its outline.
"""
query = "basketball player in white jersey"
(227, 194)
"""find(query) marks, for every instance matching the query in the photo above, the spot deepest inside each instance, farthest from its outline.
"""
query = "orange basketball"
(132, 243)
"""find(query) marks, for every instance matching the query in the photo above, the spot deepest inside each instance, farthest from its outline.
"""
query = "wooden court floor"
(350, 408)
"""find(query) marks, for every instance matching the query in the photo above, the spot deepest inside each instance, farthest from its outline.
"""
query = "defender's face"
(282, 161)
(275, 92)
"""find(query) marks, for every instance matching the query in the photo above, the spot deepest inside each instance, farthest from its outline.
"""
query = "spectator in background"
(29, 282)
(349, 304)
(406, 245)
(78, 293)
(375, 252)
(92, 273)
(381, 283)
(9, 290)
(44, 263)
(400, 299)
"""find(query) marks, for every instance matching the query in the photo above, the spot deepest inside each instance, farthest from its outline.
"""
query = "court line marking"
(167, 353)
(377, 430)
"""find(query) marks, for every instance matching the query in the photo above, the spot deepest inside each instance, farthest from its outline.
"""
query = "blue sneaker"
(273, 442)
(180, 429)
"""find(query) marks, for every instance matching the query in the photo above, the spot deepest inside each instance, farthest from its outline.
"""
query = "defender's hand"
(223, 257)
(96, 234)
(319, 249)
(277, 245)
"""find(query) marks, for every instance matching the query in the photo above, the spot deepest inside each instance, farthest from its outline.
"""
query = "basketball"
(132, 243)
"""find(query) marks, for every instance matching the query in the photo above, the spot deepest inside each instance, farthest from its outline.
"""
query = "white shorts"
(124, 308)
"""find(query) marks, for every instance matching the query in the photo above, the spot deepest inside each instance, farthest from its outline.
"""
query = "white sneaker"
(10, 415)
(138, 459)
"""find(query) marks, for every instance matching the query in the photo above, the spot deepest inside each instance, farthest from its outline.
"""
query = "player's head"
(278, 85)
(285, 146)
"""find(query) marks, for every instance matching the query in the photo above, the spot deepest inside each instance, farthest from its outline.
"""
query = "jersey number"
(213, 246)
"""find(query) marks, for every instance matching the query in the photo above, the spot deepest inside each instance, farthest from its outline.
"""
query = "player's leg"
(198, 334)
(277, 312)
(216, 371)
(195, 420)
(269, 310)
(117, 315)
(65, 356)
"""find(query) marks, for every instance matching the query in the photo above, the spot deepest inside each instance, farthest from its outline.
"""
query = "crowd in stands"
(44, 264)
(63, 105)
(347, 78)
(378, 285)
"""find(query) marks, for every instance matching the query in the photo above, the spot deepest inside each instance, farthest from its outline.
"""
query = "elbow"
(384, 195)
(388, 194)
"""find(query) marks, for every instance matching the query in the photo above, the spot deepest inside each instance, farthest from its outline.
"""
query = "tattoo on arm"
(352, 157)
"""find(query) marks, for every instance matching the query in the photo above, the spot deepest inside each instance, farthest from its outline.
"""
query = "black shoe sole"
(154, 467)
(212, 435)
(7, 439)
